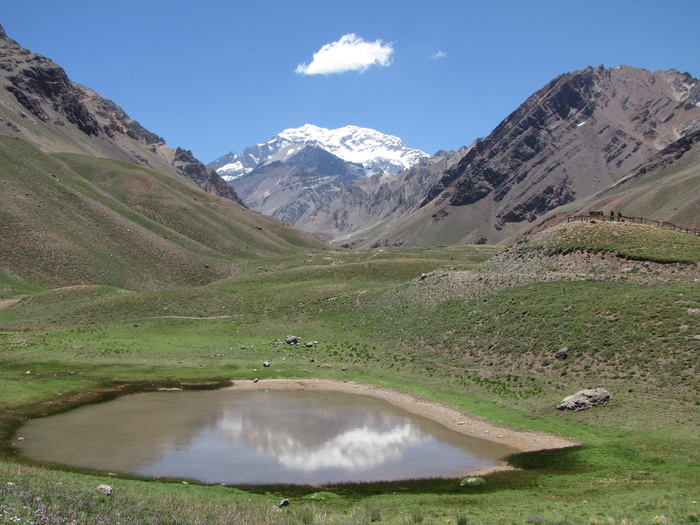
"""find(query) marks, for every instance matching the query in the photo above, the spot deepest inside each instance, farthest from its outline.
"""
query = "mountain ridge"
(375, 151)
(41, 104)
(576, 135)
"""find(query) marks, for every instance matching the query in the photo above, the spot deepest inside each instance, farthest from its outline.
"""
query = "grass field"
(463, 325)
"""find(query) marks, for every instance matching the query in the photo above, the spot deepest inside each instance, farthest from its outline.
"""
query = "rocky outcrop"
(585, 399)
(38, 84)
(205, 177)
(661, 160)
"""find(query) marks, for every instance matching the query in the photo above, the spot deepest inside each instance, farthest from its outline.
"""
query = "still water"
(256, 437)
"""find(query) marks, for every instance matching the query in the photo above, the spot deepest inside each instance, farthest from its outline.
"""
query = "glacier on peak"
(375, 151)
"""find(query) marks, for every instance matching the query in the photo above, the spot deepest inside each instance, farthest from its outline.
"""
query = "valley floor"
(453, 333)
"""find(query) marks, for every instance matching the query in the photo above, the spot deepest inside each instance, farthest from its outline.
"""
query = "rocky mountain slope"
(88, 196)
(303, 175)
(577, 135)
(375, 151)
(665, 188)
(294, 190)
(39, 103)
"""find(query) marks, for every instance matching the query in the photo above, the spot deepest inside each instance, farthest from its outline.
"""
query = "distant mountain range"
(374, 151)
(579, 134)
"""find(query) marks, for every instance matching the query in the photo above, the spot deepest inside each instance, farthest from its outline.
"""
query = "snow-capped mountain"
(375, 151)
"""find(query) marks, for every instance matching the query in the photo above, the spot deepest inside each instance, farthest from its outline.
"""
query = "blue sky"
(215, 76)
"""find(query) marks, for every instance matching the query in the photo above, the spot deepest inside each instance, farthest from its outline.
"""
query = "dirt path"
(6, 303)
(450, 417)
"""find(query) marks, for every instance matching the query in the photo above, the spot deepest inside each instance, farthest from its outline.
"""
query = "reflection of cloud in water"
(357, 449)
(348, 440)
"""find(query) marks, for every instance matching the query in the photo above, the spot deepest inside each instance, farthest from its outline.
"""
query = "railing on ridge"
(602, 217)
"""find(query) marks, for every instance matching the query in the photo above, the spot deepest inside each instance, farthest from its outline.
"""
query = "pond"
(256, 437)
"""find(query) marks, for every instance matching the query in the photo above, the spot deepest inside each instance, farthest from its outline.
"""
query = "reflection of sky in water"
(271, 437)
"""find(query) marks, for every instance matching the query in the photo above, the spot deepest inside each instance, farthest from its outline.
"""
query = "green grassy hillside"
(463, 325)
(68, 219)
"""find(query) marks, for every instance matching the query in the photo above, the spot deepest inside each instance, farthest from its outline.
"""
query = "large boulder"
(585, 399)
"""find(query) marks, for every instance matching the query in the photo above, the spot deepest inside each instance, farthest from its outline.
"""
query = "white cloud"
(350, 53)
(438, 54)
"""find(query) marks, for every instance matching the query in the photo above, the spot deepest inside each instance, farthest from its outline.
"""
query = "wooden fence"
(601, 217)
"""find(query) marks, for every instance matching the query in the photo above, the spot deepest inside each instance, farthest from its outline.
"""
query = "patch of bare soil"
(6, 303)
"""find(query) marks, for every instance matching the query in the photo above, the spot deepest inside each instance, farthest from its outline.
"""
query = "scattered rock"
(693, 311)
(10, 484)
(472, 482)
(568, 308)
(292, 340)
(311, 344)
(562, 353)
(104, 489)
(684, 328)
(585, 399)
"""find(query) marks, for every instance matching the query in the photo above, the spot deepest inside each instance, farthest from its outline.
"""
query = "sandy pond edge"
(450, 417)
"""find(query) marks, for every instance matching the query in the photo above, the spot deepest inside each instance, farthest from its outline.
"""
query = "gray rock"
(292, 340)
(585, 399)
(562, 353)
(104, 489)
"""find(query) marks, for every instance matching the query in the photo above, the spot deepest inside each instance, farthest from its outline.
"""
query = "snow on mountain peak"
(374, 150)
